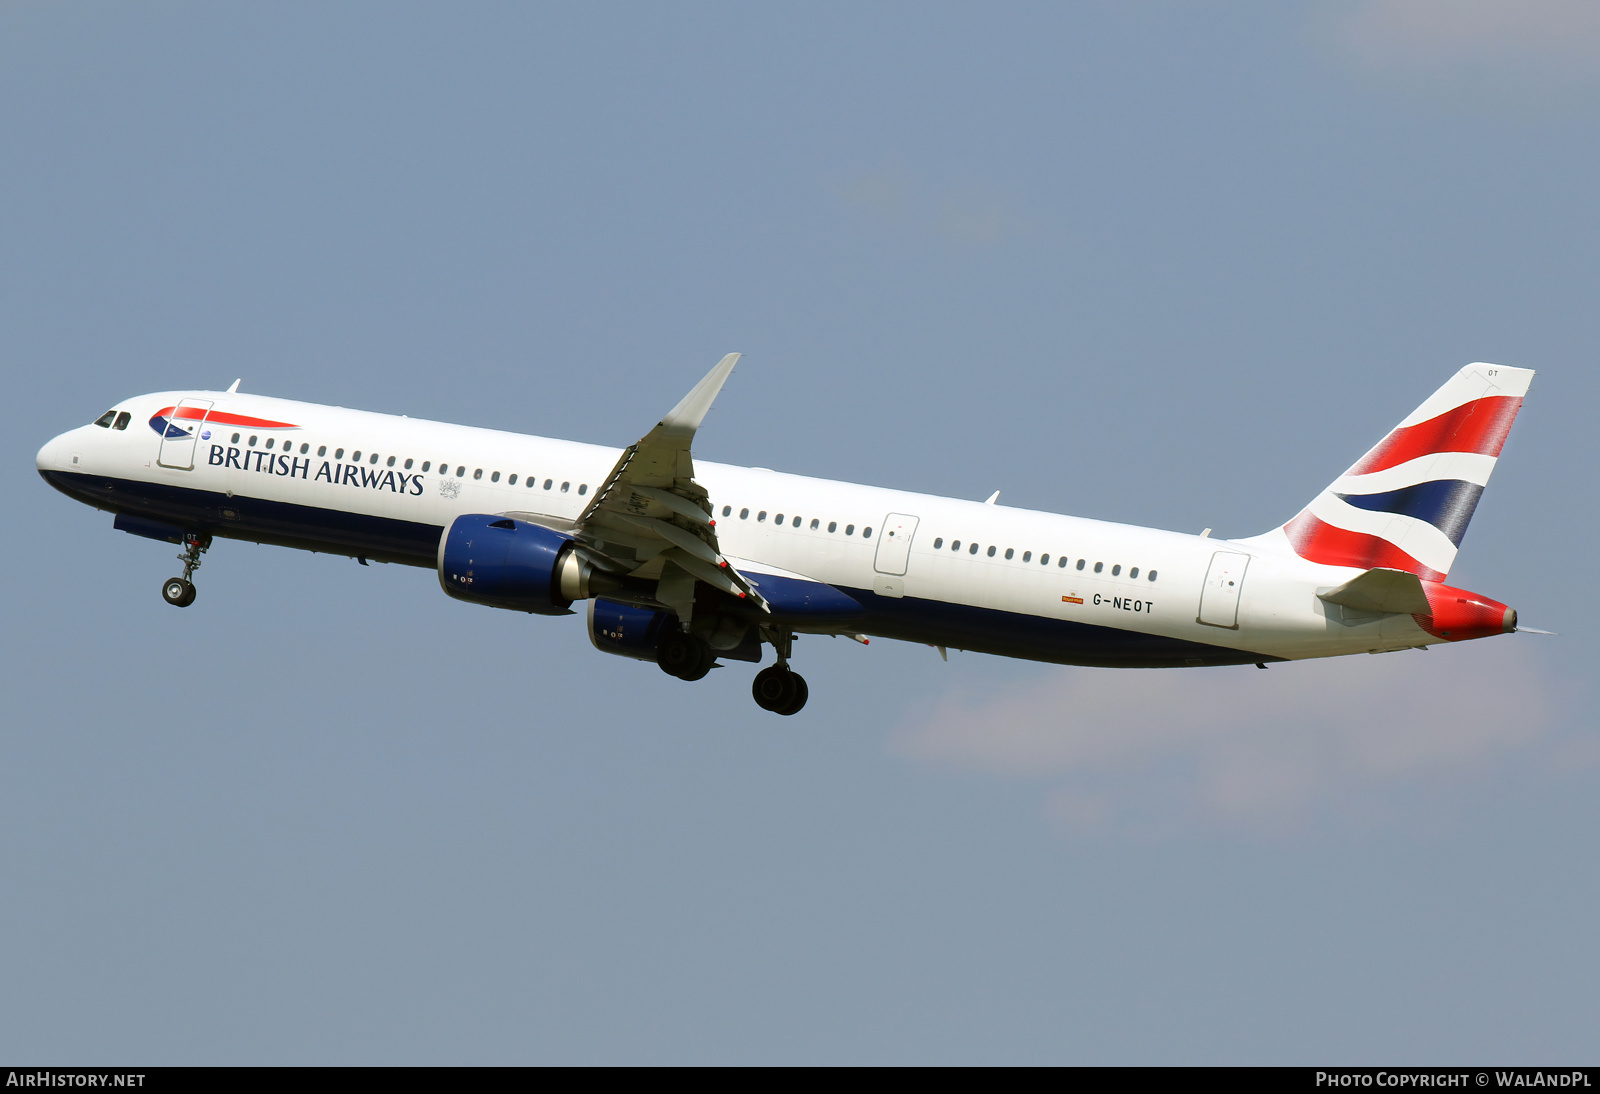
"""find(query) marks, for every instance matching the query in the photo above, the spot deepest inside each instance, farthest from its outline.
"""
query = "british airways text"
(345, 474)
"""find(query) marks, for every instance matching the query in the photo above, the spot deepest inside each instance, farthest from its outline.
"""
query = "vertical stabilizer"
(1405, 504)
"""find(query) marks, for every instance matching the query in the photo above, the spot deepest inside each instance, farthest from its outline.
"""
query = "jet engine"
(511, 564)
(625, 630)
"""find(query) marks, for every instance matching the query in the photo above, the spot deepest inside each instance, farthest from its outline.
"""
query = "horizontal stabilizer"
(1381, 590)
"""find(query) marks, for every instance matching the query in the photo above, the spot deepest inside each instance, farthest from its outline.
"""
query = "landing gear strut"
(179, 591)
(779, 688)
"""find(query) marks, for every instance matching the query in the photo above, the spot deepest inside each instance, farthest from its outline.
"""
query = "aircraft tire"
(779, 690)
(685, 656)
(178, 592)
(801, 694)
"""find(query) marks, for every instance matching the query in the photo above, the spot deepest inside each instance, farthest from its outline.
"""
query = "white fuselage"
(412, 477)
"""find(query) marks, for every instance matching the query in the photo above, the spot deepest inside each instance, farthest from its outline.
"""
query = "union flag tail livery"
(688, 563)
(1405, 505)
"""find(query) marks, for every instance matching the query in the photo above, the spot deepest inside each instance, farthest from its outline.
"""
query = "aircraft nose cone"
(49, 457)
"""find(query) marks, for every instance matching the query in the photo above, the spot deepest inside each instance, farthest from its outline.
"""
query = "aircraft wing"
(650, 519)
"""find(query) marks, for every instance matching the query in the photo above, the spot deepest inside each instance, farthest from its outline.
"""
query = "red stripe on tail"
(1479, 426)
(1317, 541)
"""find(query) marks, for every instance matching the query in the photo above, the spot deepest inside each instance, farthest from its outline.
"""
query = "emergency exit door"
(894, 543)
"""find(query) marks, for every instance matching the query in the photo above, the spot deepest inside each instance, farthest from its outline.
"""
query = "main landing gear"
(779, 688)
(179, 591)
(683, 655)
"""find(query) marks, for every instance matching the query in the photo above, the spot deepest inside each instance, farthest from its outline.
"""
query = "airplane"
(689, 563)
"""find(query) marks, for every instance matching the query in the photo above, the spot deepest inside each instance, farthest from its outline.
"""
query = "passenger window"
(425, 463)
(252, 440)
(1027, 556)
(533, 480)
(1098, 566)
(338, 453)
(271, 441)
(548, 483)
(322, 450)
(511, 480)
(727, 510)
(355, 457)
(122, 420)
(778, 519)
(565, 487)
(938, 543)
(955, 545)
(1009, 554)
(973, 549)
(389, 462)
(1133, 573)
(495, 477)
(235, 439)
(991, 552)
(1044, 560)
(1152, 575)
(1062, 565)
(1081, 561)
(477, 473)
(744, 514)
(833, 526)
(408, 462)
(761, 516)
(105, 420)
(796, 522)
(460, 471)
(866, 533)
(849, 529)
(583, 488)
(307, 448)
(815, 523)
(374, 459)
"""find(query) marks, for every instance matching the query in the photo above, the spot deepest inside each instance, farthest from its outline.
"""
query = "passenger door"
(1219, 599)
(183, 430)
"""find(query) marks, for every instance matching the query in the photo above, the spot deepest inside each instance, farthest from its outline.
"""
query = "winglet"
(685, 418)
(234, 387)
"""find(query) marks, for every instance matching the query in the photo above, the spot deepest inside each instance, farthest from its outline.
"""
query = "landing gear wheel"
(780, 690)
(801, 694)
(178, 592)
(684, 655)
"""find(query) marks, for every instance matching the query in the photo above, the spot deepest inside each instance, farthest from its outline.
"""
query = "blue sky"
(1163, 264)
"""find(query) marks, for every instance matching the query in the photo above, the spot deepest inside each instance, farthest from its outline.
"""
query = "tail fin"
(1405, 504)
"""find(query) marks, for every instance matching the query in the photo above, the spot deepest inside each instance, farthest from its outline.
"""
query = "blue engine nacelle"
(512, 564)
(625, 630)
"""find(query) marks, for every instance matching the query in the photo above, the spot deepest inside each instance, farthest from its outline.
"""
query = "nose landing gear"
(179, 591)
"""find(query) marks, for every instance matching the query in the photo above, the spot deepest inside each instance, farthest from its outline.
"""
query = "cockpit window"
(122, 420)
(105, 420)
